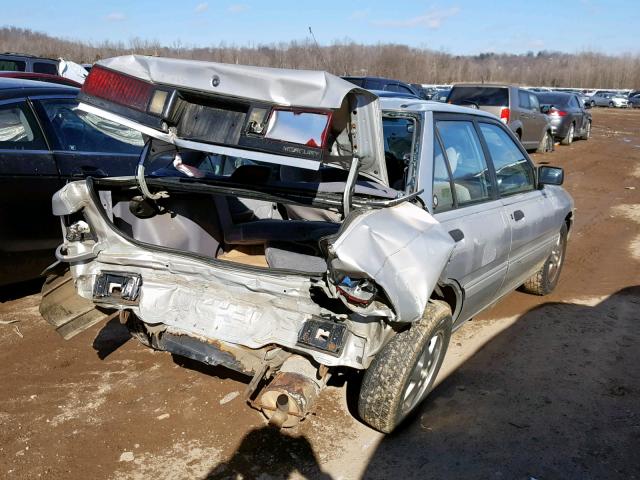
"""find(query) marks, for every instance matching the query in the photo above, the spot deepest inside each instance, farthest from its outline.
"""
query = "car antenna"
(324, 60)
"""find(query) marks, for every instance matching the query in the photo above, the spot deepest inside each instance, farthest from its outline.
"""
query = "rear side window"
(442, 185)
(469, 171)
(356, 81)
(480, 96)
(49, 68)
(533, 102)
(18, 129)
(523, 100)
(12, 66)
(513, 171)
(398, 136)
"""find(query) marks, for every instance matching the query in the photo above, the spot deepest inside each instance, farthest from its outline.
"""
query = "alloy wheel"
(422, 373)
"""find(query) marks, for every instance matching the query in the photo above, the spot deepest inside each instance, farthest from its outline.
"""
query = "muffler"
(292, 392)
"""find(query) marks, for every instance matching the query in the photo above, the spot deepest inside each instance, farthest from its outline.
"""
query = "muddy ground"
(536, 387)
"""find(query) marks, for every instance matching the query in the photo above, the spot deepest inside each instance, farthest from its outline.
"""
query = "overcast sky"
(461, 27)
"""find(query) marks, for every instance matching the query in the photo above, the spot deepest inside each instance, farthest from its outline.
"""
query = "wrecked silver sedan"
(284, 223)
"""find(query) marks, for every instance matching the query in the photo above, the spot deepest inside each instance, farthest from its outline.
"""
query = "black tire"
(587, 132)
(593, 104)
(388, 392)
(546, 144)
(568, 138)
(545, 280)
(610, 104)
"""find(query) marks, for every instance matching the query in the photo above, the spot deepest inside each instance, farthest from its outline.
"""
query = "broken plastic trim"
(117, 287)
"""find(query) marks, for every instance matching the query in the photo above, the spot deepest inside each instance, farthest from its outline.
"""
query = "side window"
(523, 100)
(442, 184)
(574, 102)
(78, 131)
(12, 66)
(470, 175)
(403, 89)
(41, 67)
(513, 171)
(18, 129)
(398, 134)
(533, 100)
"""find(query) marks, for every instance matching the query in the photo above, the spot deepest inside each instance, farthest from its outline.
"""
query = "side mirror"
(545, 108)
(550, 175)
(587, 105)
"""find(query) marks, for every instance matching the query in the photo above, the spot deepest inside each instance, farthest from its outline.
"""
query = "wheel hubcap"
(571, 134)
(422, 373)
(555, 260)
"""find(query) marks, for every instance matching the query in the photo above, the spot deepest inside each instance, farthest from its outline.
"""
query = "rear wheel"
(593, 104)
(610, 104)
(545, 280)
(568, 139)
(402, 373)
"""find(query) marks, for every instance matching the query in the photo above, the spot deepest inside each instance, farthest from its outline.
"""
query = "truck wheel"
(568, 139)
(402, 373)
(545, 280)
(546, 144)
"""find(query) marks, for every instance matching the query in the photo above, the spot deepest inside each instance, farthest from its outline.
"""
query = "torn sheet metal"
(403, 248)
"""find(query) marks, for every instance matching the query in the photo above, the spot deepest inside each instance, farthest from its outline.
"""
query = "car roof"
(490, 85)
(418, 105)
(17, 87)
(26, 55)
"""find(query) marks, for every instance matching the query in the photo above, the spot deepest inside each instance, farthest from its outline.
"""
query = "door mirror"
(587, 105)
(550, 176)
(545, 108)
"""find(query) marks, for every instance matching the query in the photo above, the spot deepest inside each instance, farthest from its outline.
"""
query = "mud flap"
(64, 309)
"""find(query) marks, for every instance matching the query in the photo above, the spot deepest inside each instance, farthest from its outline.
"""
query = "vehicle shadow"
(19, 290)
(111, 337)
(556, 395)
(268, 453)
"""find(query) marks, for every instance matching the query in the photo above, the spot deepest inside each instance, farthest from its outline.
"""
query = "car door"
(86, 145)
(526, 117)
(533, 230)
(28, 179)
(579, 113)
(465, 202)
(538, 119)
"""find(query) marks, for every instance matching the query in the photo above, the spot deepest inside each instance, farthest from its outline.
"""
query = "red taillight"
(504, 115)
(118, 88)
(555, 112)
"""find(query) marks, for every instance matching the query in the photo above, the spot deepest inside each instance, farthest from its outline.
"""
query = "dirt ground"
(536, 387)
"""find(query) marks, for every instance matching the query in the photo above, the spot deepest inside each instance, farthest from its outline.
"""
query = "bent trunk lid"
(263, 114)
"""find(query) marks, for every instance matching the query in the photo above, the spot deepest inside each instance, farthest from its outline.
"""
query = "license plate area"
(323, 335)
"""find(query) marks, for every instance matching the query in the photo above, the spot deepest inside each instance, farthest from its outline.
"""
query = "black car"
(45, 141)
(385, 84)
(569, 117)
(19, 62)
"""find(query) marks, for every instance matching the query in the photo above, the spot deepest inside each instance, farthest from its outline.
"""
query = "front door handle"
(517, 215)
(456, 234)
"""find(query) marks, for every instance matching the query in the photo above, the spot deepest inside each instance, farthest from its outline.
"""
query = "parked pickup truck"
(285, 223)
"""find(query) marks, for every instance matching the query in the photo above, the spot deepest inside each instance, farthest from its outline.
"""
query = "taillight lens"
(125, 90)
(556, 113)
(505, 113)
(359, 291)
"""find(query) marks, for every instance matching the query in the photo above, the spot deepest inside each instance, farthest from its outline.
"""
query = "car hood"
(212, 107)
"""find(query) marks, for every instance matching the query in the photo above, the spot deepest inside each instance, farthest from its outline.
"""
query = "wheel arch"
(451, 293)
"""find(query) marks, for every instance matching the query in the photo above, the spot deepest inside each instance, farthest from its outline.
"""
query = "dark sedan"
(386, 85)
(46, 141)
(570, 118)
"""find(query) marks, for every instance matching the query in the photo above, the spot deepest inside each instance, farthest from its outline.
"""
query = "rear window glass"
(49, 68)
(551, 98)
(12, 66)
(356, 81)
(480, 96)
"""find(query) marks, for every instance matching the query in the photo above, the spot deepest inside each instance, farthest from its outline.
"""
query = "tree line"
(346, 57)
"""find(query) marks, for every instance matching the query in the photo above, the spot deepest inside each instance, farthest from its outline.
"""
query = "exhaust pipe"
(292, 392)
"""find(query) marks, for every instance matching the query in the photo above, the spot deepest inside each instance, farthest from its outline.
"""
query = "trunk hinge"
(347, 196)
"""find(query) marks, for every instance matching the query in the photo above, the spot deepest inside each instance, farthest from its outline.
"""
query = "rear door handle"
(517, 215)
(456, 234)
